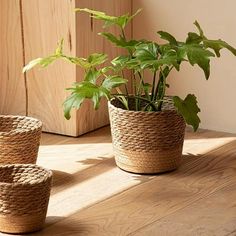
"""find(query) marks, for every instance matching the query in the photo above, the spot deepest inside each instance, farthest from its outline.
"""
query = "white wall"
(217, 96)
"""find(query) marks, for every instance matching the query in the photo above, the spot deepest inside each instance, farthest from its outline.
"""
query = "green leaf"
(198, 55)
(100, 15)
(92, 75)
(74, 100)
(217, 45)
(133, 64)
(189, 109)
(167, 36)
(193, 38)
(120, 62)
(146, 51)
(97, 59)
(120, 21)
(146, 88)
(31, 64)
(113, 82)
(43, 62)
(199, 29)
(82, 62)
(167, 58)
(47, 61)
(171, 60)
(81, 91)
(59, 49)
(93, 60)
(135, 14)
(120, 42)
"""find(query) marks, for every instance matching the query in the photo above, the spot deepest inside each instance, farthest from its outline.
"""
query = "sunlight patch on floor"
(73, 157)
(91, 191)
(205, 144)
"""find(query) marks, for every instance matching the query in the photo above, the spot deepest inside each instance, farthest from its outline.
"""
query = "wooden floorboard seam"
(193, 202)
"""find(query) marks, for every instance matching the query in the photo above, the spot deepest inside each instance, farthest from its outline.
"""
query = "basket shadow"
(61, 227)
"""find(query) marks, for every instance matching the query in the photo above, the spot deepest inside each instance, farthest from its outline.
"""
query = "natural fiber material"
(24, 195)
(19, 139)
(147, 142)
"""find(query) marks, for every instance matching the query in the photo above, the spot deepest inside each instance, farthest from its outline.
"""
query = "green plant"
(103, 79)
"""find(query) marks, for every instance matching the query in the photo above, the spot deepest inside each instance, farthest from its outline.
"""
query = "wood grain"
(211, 216)
(45, 23)
(12, 90)
(148, 202)
(89, 42)
(91, 196)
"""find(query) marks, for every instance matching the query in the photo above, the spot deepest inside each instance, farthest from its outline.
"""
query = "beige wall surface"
(217, 96)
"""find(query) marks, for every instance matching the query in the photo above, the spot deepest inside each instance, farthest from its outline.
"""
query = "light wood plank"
(91, 196)
(12, 89)
(148, 200)
(45, 23)
(211, 216)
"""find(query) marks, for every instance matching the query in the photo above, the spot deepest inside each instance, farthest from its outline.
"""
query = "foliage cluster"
(105, 78)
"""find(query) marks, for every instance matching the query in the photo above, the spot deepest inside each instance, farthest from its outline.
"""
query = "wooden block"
(12, 90)
(45, 23)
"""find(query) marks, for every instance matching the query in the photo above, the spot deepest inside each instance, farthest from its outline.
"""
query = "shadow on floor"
(63, 180)
(102, 135)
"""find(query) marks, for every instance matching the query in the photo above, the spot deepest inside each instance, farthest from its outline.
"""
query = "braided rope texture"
(147, 142)
(19, 139)
(24, 196)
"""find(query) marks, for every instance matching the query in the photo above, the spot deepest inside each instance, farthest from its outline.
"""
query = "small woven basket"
(19, 139)
(147, 142)
(24, 196)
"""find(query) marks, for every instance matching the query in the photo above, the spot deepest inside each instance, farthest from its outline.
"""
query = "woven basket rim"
(48, 174)
(38, 124)
(140, 112)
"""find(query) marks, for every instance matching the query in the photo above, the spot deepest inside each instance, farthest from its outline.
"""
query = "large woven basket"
(147, 142)
(19, 139)
(24, 196)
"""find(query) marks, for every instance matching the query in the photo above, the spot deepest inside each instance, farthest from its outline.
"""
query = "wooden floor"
(91, 196)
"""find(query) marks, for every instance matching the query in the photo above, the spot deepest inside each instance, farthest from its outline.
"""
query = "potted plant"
(147, 126)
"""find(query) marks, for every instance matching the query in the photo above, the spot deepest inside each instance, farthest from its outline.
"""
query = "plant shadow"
(97, 166)
(109, 161)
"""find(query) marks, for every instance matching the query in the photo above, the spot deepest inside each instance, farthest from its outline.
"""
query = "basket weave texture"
(147, 142)
(19, 139)
(24, 196)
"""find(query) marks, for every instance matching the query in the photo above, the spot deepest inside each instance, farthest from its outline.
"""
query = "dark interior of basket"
(167, 104)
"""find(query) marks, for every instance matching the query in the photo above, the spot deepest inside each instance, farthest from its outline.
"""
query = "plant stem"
(141, 98)
(123, 34)
(122, 99)
(126, 89)
(146, 93)
(139, 92)
(160, 83)
(153, 84)
(159, 107)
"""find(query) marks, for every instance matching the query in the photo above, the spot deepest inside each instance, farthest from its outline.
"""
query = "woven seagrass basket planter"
(19, 139)
(147, 142)
(24, 196)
